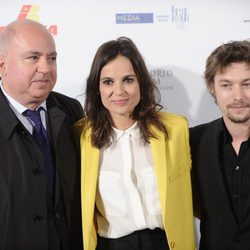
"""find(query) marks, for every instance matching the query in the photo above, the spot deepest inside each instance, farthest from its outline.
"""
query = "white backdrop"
(174, 36)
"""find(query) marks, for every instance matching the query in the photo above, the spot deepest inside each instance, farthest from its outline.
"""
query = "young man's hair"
(223, 56)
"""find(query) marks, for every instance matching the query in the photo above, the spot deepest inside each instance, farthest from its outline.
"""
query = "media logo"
(179, 16)
(32, 12)
(129, 18)
(176, 15)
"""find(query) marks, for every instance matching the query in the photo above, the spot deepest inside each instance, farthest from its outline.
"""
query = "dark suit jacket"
(23, 199)
(220, 229)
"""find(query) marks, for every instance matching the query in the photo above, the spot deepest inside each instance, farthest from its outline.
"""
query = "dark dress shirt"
(236, 171)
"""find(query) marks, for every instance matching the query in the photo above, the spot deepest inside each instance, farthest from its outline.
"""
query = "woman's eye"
(107, 82)
(129, 80)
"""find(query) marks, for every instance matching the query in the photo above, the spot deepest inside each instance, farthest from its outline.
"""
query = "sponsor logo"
(176, 15)
(179, 16)
(129, 18)
(33, 12)
(29, 12)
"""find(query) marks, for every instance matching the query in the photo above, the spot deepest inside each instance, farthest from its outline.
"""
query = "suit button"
(58, 215)
(22, 131)
(37, 218)
(236, 196)
(236, 241)
(172, 244)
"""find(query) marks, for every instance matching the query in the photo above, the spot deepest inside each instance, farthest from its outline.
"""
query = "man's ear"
(2, 65)
(212, 92)
(211, 89)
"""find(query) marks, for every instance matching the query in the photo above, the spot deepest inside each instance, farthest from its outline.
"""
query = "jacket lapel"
(56, 119)
(7, 117)
(89, 175)
(211, 171)
(159, 150)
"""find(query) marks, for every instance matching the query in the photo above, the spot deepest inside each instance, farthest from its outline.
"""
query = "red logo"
(33, 12)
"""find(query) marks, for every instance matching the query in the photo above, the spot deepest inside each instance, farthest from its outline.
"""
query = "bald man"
(39, 169)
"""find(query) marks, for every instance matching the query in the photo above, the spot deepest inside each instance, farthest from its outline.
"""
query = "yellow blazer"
(172, 163)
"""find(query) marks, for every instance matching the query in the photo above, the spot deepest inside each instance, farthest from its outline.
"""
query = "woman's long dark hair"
(145, 113)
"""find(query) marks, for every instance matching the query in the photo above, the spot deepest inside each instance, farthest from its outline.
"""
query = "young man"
(221, 152)
(39, 169)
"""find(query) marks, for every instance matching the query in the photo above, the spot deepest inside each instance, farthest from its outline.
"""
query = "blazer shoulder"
(202, 128)
(69, 105)
(172, 120)
(64, 100)
(83, 129)
(204, 133)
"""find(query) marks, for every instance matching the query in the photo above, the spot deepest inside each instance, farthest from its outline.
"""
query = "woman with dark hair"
(136, 191)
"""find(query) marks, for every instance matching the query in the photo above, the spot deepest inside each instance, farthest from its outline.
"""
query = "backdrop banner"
(175, 37)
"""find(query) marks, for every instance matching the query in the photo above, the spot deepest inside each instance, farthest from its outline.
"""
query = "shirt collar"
(227, 138)
(134, 131)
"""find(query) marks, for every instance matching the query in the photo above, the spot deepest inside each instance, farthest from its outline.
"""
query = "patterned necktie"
(41, 137)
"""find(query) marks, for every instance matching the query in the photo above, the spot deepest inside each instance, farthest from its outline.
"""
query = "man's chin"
(239, 119)
(41, 94)
(38, 99)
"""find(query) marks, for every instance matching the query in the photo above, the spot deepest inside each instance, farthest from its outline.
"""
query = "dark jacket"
(219, 227)
(23, 199)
